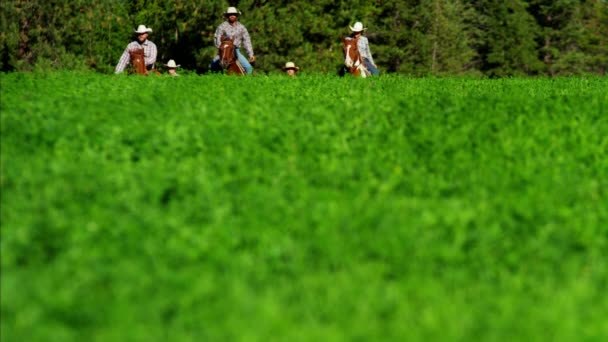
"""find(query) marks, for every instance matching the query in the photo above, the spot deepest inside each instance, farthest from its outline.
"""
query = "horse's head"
(351, 52)
(352, 58)
(137, 59)
(227, 52)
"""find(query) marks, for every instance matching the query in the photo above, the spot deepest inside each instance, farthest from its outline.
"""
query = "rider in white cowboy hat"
(171, 66)
(363, 45)
(233, 29)
(141, 42)
(290, 68)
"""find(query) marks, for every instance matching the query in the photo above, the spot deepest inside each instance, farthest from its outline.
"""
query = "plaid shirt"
(150, 53)
(238, 32)
(363, 45)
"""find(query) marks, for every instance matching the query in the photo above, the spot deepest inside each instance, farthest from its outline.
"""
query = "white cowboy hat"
(290, 65)
(358, 27)
(232, 10)
(171, 64)
(143, 29)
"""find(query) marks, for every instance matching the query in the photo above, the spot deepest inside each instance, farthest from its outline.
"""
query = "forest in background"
(413, 37)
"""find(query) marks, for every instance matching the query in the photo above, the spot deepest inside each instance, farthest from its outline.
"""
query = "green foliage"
(563, 33)
(595, 41)
(445, 42)
(62, 34)
(309, 208)
(415, 37)
(511, 39)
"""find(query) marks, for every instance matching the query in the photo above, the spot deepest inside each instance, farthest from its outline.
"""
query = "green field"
(310, 209)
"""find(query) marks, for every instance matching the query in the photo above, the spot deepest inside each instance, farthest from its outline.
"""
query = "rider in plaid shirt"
(142, 42)
(231, 28)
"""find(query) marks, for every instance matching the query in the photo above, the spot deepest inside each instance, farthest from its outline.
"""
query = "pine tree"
(510, 34)
(447, 37)
(397, 35)
(595, 40)
(562, 33)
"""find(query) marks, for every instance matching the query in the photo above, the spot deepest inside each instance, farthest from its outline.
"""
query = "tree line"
(413, 37)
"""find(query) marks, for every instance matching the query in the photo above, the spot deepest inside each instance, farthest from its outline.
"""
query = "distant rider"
(141, 42)
(232, 29)
(363, 45)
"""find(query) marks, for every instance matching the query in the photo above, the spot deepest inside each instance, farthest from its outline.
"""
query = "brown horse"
(228, 59)
(352, 58)
(139, 64)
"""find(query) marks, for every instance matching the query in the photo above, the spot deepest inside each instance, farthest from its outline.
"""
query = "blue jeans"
(215, 63)
(372, 69)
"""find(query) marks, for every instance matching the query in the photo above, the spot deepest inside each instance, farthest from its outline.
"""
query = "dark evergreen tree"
(561, 35)
(398, 35)
(594, 42)
(511, 33)
(447, 37)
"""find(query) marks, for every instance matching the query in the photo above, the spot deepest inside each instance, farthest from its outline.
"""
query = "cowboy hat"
(143, 29)
(171, 64)
(231, 11)
(290, 65)
(358, 27)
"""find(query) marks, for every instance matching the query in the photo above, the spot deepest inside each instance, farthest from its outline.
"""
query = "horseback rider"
(363, 45)
(141, 42)
(232, 29)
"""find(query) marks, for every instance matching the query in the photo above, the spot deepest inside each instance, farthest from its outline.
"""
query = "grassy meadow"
(213, 208)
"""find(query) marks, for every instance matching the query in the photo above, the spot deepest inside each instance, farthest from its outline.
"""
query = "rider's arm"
(123, 61)
(247, 42)
(217, 37)
(153, 53)
(369, 54)
(364, 49)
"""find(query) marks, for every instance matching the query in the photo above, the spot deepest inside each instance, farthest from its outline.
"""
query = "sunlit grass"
(317, 208)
